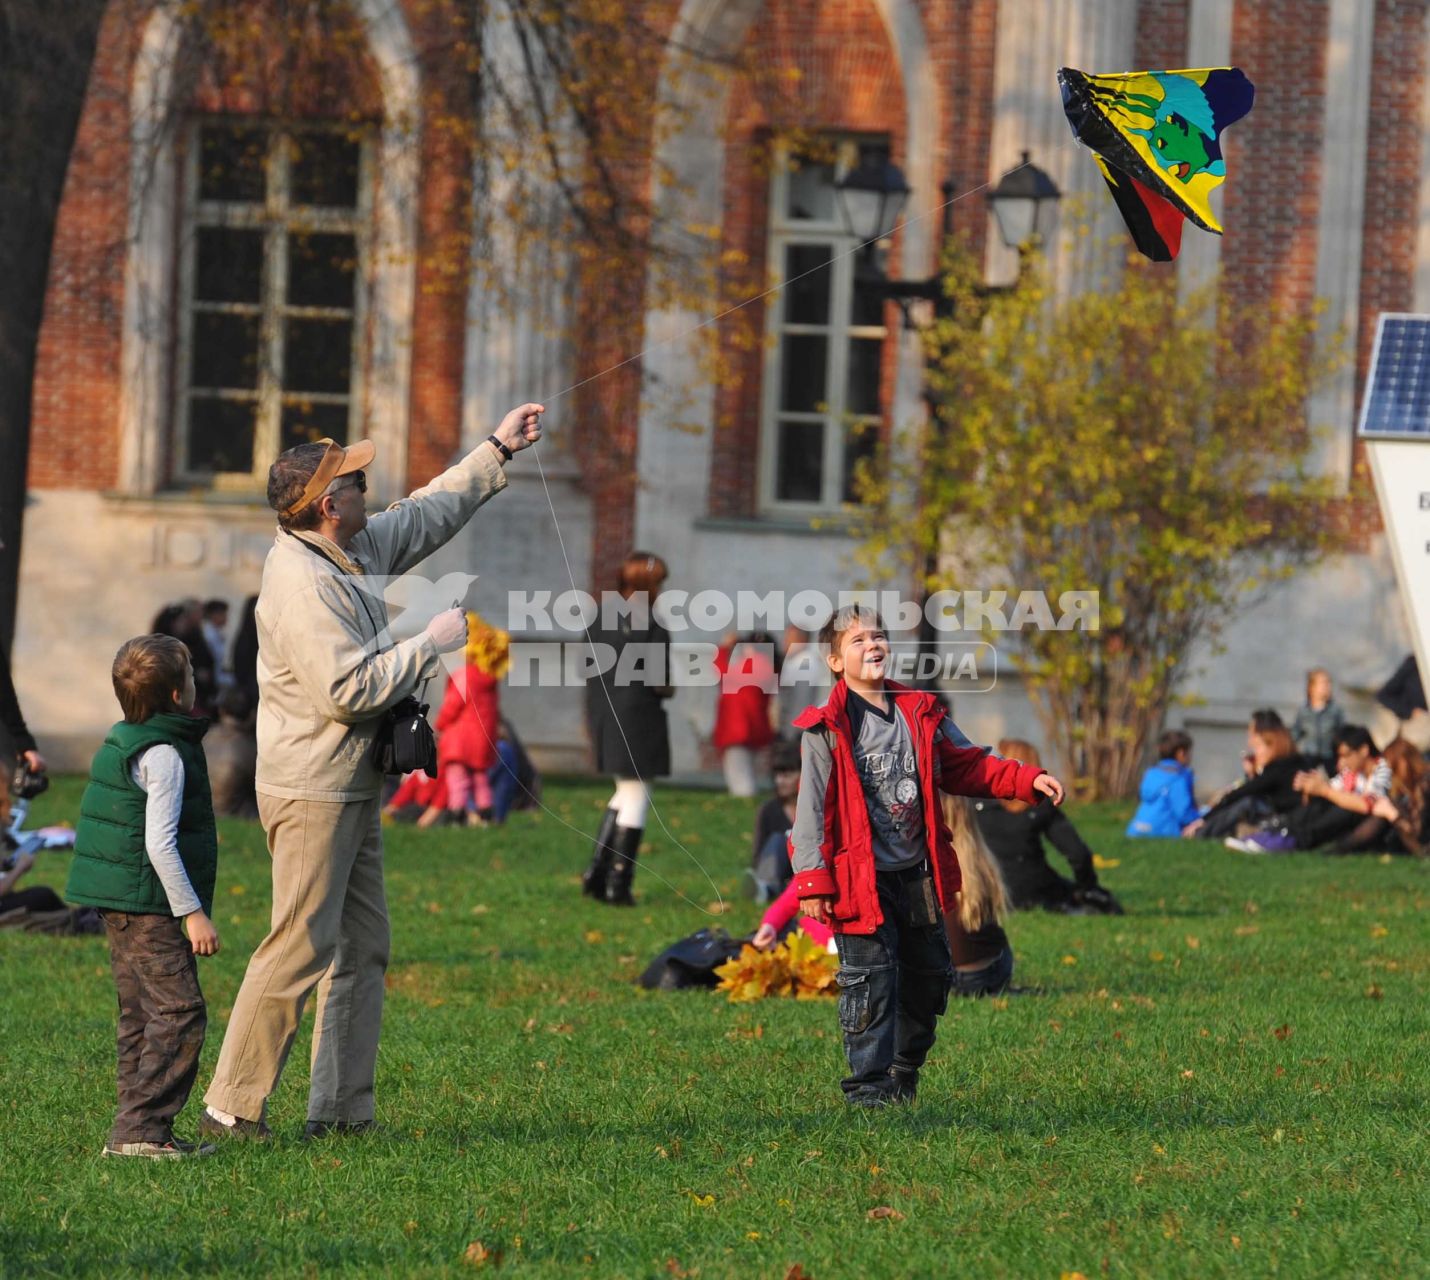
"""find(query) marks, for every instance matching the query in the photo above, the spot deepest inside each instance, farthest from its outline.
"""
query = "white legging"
(631, 801)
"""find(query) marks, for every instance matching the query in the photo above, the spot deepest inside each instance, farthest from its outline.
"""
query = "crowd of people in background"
(1321, 784)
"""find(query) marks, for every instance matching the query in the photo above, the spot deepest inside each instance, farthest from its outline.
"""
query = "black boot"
(593, 879)
(625, 846)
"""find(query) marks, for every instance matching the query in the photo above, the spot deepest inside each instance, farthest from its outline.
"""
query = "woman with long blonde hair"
(982, 955)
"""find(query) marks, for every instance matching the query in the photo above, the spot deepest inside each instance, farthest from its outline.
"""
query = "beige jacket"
(326, 669)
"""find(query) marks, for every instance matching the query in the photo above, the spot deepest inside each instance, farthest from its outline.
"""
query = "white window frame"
(279, 218)
(783, 232)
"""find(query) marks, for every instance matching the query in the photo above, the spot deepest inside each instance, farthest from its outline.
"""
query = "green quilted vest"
(110, 868)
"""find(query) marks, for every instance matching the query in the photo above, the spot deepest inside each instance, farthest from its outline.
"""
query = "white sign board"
(1395, 426)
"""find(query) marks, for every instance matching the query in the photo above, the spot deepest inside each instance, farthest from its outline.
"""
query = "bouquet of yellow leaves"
(488, 647)
(798, 967)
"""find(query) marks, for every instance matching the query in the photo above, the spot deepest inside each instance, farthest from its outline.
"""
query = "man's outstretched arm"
(414, 527)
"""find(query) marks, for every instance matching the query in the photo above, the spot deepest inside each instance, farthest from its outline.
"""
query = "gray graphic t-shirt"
(888, 768)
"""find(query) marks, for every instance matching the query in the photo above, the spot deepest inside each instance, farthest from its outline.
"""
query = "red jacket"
(742, 710)
(470, 720)
(848, 848)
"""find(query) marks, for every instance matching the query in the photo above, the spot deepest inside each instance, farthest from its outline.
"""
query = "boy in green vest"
(146, 854)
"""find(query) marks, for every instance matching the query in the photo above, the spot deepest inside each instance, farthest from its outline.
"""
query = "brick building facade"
(139, 494)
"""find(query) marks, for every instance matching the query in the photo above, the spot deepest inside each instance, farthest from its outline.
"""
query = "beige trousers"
(329, 930)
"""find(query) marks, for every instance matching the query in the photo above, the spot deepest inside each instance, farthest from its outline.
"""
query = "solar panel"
(1397, 397)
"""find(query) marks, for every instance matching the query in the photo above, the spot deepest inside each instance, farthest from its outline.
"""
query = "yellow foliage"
(797, 967)
(488, 647)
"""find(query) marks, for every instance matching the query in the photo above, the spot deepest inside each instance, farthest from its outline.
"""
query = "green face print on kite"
(1179, 148)
(1182, 135)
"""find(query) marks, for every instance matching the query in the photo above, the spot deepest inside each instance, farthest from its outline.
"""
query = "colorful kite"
(1156, 136)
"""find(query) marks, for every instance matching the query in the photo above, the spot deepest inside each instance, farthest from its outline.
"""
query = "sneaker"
(172, 1149)
(338, 1128)
(1269, 842)
(905, 1086)
(1237, 844)
(210, 1126)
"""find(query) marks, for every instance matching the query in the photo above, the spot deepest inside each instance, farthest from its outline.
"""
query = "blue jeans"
(992, 980)
(502, 777)
(893, 985)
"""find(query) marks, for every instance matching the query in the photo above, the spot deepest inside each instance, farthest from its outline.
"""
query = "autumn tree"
(1147, 446)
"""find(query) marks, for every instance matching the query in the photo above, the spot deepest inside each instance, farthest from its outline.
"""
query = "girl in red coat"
(742, 711)
(470, 723)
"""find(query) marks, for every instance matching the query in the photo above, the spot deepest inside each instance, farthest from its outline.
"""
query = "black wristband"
(499, 447)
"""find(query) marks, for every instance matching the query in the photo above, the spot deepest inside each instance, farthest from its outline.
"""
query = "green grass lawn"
(1229, 1080)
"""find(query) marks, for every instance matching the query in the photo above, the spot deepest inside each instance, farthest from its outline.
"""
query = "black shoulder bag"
(405, 741)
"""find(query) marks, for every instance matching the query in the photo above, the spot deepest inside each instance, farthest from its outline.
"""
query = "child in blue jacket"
(1166, 794)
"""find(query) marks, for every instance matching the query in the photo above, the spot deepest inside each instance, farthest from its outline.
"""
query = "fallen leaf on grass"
(478, 1255)
(1283, 1032)
(594, 936)
(1379, 931)
(236, 889)
(1072, 1275)
(1069, 960)
(797, 1272)
(881, 1211)
(1246, 930)
(718, 908)
(704, 1202)
(1105, 864)
(1187, 1075)
(1373, 992)
(1192, 942)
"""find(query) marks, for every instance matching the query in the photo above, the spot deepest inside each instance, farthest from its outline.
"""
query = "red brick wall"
(74, 433)
(1392, 206)
(815, 65)
(1161, 40)
(1274, 155)
(1392, 160)
(963, 47)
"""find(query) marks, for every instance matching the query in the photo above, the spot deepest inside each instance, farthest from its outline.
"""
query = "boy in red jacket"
(872, 855)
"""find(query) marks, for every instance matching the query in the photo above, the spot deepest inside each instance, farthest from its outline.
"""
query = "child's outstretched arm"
(810, 848)
(963, 769)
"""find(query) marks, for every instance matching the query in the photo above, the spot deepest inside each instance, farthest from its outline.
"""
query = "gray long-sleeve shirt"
(159, 773)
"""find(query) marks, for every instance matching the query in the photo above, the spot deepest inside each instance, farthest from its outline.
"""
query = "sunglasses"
(359, 482)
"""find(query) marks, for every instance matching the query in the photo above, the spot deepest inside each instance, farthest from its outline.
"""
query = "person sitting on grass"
(1015, 831)
(1405, 808)
(1271, 763)
(776, 921)
(146, 854)
(416, 796)
(770, 871)
(872, 855)
(1333, 807)
(982, 954)
(1167, 803)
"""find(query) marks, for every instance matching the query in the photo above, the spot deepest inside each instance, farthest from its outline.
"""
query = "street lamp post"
(871, 197)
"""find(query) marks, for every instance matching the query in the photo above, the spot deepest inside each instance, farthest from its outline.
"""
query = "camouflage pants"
(161, 1022)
